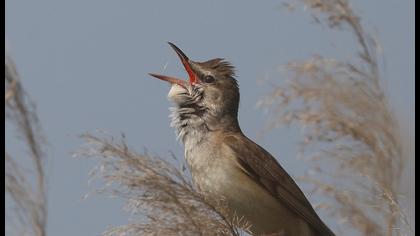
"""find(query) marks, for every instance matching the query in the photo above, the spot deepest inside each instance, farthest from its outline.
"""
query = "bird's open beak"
(186, 62)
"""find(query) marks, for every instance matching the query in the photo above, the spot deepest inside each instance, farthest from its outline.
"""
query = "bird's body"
(227, 165)
(216, 172)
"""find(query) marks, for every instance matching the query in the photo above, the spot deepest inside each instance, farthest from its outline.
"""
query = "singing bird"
(225, 163)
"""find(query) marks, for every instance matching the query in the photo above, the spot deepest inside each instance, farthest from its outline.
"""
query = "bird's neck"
(192, 124)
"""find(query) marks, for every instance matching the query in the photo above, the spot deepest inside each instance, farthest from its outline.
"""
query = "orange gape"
(184, 60)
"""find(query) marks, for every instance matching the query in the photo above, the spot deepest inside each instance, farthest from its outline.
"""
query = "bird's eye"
(209, 79)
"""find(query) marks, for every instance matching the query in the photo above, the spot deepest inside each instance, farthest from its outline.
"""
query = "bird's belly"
(245, 198)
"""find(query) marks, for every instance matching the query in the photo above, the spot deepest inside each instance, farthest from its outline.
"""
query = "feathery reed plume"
(350, 132)
(158, 193)
(26, 205)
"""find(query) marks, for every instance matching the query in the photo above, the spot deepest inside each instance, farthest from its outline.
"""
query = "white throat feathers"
(187, 114)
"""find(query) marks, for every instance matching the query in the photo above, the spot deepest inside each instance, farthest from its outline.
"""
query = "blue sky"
(85, 63)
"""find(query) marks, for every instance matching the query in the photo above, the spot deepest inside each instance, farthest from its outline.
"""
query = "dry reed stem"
(28, 197)
(350, 131)
(158, 193)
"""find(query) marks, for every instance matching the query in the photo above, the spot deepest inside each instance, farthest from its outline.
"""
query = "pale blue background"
(85, 63)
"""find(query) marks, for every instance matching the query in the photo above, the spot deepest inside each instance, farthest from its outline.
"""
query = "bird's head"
(211, 89)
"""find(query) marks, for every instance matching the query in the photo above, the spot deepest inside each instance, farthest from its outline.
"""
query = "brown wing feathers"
(265, 170)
